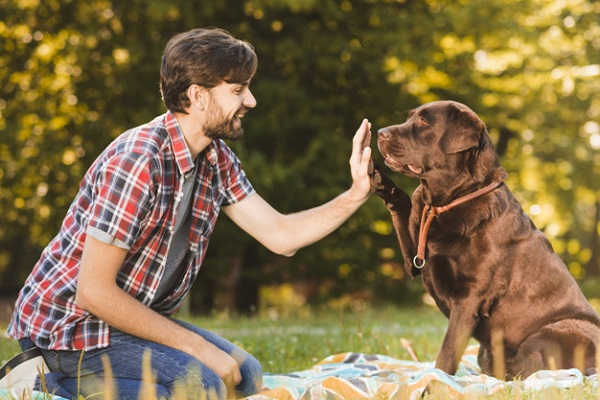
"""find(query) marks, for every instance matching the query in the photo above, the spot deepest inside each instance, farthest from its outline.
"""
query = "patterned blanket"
(370, 376)
(367, 376)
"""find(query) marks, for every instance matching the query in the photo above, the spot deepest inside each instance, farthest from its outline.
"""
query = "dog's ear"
(463, 130)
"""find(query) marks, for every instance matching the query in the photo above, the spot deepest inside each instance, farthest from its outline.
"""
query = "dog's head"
(439, 142)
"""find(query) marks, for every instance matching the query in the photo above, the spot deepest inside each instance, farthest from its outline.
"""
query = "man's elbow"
(288, 253)
(283, 250)
(81, 301)
(84, 298)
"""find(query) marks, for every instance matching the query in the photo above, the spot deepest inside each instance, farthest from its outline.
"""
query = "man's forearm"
(98, 293)
(122, 311)
(306, 227)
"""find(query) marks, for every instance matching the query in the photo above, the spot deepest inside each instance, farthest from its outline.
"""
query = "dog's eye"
(420, 120)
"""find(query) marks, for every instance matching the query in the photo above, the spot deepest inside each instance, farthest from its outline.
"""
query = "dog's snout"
(384, 133)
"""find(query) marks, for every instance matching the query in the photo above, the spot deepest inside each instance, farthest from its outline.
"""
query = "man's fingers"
(363, 134)
(230, 388)
(360, 142)
(231, 381)
(367, 138)
(365, 159)
(359, 160)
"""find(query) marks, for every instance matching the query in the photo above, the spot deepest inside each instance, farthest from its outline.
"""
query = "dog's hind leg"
(529, 360)
(563, 344)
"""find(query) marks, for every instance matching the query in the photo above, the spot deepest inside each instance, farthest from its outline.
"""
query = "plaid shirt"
(127, 198)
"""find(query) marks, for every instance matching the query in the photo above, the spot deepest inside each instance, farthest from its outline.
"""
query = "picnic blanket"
(356, 376)
(371, 376)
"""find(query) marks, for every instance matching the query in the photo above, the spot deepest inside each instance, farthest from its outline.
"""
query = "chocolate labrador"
(488, 268)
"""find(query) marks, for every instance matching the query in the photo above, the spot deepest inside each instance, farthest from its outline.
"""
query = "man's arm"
(98, 293)
(286, 234)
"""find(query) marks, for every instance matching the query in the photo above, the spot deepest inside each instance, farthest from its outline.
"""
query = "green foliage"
(74, 75)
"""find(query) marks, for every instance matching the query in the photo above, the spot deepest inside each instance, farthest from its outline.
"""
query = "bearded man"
(135, 236)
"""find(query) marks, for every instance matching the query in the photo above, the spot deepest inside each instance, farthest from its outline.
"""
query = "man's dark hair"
(204, 57)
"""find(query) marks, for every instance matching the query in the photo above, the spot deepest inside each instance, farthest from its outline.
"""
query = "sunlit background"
(74, 74)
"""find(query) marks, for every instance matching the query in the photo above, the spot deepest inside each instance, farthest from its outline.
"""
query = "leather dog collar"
(430, 211)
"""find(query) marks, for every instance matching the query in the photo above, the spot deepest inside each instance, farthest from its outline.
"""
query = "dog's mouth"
(399, 167)
(415, 169)
(393, 163)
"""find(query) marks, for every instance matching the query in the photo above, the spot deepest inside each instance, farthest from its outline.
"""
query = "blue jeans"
(177, 374)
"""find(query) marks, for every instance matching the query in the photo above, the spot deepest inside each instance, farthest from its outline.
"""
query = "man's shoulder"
(145, 147)
(149, 138)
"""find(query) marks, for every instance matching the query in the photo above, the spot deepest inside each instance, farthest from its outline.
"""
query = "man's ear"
(198, 96)
(463, 130)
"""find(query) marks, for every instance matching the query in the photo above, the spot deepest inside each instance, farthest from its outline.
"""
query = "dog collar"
(430, 211)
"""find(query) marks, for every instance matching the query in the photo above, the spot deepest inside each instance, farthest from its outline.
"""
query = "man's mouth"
(237, 119)
(240, 114)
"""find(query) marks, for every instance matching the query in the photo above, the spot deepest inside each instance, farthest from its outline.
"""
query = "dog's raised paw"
(375, 175)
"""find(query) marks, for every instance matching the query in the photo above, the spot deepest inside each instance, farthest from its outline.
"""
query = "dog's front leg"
(398, 202)
(460, 327)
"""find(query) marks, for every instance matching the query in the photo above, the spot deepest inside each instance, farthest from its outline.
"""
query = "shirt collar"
(183, 156)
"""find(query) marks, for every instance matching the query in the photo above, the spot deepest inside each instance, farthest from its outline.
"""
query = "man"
(135, 236)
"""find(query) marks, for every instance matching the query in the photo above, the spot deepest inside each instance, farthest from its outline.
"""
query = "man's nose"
(249, 100)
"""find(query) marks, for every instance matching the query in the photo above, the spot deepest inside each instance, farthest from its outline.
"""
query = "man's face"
(228, 103)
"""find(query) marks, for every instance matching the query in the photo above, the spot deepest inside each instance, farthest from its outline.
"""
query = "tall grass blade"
(148, 388)
(579, 358)
(498, 354)
(109, 381)
(79, 374)
(408, 346)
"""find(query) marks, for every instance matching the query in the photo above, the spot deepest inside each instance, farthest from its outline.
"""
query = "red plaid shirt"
(128, 196)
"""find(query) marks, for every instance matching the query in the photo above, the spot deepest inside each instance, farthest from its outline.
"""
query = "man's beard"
(219, 126)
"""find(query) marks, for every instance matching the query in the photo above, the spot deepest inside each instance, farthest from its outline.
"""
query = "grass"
(8, 347)
(305, 336)
(298, 341)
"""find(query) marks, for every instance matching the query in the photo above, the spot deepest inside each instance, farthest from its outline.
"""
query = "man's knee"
(252, 375)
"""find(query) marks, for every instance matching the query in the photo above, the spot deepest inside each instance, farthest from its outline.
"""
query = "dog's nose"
(384, 133)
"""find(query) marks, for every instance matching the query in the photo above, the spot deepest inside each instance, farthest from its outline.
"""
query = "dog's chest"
(450, 270)
(447, 235)
(444, 278)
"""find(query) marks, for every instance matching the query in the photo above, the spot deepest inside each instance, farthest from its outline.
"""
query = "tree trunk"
(247, 284)
(505, 135)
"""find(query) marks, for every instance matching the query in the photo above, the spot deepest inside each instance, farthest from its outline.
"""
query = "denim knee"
(252, 376)
(214, 387)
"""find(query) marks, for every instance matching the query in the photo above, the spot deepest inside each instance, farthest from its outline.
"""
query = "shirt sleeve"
(123, 198)
(106, 238)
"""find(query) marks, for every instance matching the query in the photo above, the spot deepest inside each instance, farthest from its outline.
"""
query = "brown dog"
(488, 268)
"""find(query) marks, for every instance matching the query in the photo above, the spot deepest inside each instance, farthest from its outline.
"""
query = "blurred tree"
(74, 75)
